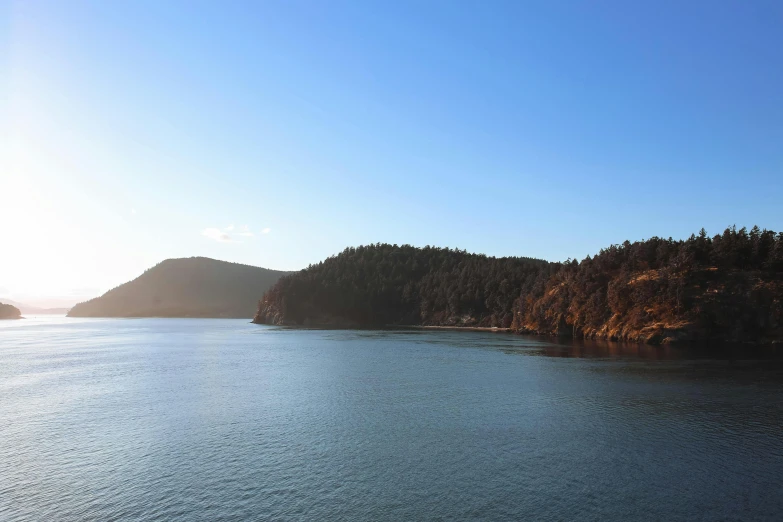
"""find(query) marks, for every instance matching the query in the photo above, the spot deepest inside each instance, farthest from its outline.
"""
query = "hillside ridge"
(728, 287)
(184, 287)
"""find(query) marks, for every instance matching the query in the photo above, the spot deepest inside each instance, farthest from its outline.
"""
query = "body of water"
(192, 419)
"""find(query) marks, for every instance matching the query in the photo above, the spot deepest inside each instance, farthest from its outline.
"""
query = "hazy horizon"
(277, 134)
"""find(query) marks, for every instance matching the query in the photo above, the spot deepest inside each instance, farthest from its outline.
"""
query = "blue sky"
(138, 131)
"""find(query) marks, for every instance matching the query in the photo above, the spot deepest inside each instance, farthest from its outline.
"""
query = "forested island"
(8, 311)
(187, 287)
(728, 287)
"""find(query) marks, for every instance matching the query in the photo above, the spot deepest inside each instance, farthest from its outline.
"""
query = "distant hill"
(187, 287)
(8, 311)
(34, 310)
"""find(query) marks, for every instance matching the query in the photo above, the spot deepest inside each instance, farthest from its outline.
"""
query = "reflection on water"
(192, 419)
(553, 347)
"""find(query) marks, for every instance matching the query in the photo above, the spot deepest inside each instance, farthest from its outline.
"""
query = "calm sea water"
(169, 419)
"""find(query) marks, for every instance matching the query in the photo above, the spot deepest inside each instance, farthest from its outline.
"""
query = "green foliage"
(389, 284)
(727, 286)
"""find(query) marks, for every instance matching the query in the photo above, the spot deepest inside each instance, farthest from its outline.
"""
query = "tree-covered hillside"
(729, 287)
(8, 311)
(389, 284)
(188, 287)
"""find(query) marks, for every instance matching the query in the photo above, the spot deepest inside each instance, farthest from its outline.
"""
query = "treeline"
(384, 284)
(728, 286)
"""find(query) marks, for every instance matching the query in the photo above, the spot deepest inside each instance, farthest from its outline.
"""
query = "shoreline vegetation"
(726, 288)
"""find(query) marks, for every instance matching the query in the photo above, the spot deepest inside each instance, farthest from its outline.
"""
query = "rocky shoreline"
(655, 334)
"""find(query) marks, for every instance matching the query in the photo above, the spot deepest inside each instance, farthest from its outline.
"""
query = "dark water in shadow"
(167, 419)
(556, 347)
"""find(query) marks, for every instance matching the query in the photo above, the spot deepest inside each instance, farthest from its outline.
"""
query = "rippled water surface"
(186, 419)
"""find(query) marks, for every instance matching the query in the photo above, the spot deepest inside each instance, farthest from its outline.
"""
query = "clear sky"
(278, 133)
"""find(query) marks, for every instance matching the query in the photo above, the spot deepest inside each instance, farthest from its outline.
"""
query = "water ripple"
(220, 420)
